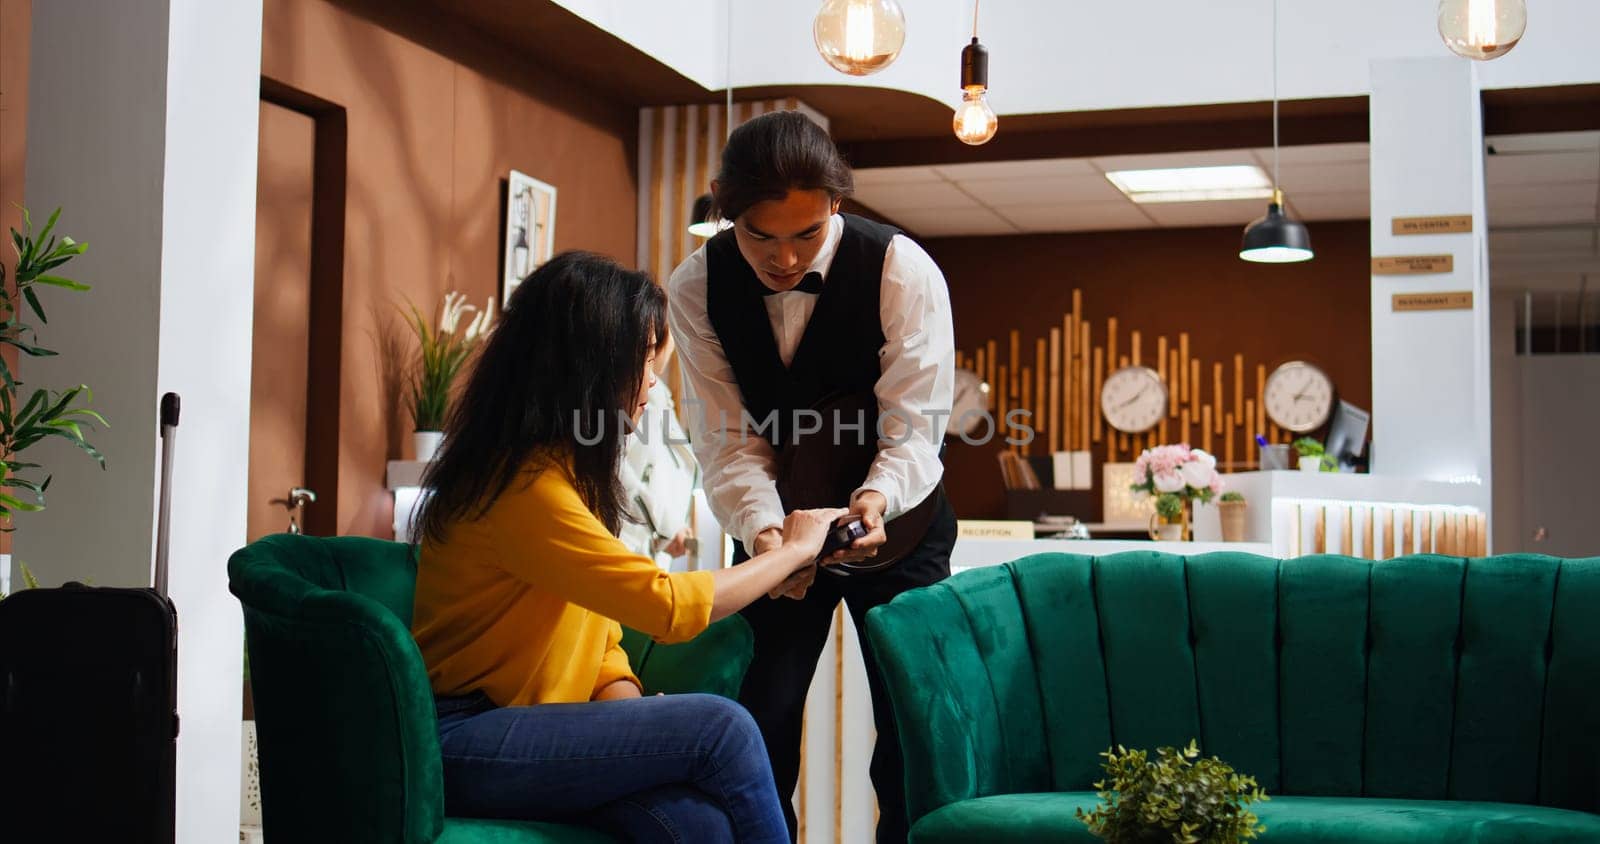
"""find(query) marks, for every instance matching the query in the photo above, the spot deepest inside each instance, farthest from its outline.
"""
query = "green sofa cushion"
(1292, 820)
(486, 831)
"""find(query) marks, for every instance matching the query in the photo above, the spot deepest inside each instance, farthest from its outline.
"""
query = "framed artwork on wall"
(530, 229)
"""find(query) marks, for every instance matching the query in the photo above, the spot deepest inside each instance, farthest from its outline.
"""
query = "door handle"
(295, 503)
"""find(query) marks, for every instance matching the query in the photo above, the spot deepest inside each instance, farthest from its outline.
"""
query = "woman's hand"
(807, 529)
(617, 690)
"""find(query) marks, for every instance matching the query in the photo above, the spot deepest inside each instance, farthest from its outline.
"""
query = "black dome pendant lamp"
(1276, 238)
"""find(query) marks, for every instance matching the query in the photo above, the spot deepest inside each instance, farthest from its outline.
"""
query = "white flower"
(1205, 457)
(1167, 481)
(455, 304)
(481, 323)
(1197, 474)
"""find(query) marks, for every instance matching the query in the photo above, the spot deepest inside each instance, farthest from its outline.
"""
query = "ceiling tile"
(1348, 177)
(913, 196)
(1212, 158)
(1059, 190)
(1543, 168)
(894, 175)
(1331, 206)
(1235, 212)
(1550, 196)
(1317, 154)
(929, 222)
(1037, 168)
(1546, 142)
(1082, 216)
(1543, 215)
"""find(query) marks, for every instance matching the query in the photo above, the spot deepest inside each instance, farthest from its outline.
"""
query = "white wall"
(142, 123)
(1430, 370)
(1050, 55)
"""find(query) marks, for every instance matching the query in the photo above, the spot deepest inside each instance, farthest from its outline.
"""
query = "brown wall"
(15, 17)
(1161, 281)
(436, 119)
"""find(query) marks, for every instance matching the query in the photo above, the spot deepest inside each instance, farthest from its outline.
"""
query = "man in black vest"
(791, 307)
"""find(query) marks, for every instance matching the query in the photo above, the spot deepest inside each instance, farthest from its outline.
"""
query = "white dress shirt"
(916, 375)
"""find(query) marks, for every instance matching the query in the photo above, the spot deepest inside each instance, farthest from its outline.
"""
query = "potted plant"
(1185, 474)
(1177, 798)
(45, 413)
(1310, 452)
(1169, 517)
(440, 355)
(1230, 510)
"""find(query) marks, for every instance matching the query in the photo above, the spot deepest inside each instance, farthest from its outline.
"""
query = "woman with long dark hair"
(521, 584)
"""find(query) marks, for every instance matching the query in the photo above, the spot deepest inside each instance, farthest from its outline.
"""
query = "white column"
(142, 126)
(1430, 369)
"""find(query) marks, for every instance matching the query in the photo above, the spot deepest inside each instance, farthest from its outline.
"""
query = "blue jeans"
(680, 768)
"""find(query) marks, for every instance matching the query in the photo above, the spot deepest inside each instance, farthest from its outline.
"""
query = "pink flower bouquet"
(1178, 470)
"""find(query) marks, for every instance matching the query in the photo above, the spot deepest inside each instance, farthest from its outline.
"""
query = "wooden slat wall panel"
(1062, 380)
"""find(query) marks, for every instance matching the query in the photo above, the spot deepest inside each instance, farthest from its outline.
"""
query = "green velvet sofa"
(349, 747)
(1419, 699)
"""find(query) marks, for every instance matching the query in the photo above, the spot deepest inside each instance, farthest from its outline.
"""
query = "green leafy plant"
(1232, 496)
(1173, 799)
(1169, 506)
(45, 413)
(28, 580)
(1307, 447)
(441, 354)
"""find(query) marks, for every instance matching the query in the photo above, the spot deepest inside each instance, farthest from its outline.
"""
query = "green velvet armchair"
(349, 747)
(1419, 699)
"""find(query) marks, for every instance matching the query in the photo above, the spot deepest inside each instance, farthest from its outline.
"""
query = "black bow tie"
(812, 283)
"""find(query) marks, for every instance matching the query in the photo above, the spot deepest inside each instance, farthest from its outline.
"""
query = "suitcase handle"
(169, 439)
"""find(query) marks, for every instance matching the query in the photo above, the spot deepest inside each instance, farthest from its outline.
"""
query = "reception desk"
(1370, 516)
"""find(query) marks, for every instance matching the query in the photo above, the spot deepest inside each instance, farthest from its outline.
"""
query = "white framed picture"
(530, 230)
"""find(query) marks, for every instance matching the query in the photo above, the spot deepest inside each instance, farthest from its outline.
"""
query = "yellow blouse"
(524, 603)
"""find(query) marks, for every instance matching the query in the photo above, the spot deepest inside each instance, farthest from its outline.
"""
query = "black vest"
(838, 353)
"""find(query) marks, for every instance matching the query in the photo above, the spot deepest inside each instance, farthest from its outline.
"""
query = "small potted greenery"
(1310, 452)
(1169, 514)
(1177, 798)
(441, 354)
(1231, 509)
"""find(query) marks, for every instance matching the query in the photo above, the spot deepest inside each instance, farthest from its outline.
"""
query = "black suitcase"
(89, 703)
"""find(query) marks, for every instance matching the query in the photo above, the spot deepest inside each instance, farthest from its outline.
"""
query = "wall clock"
(1133, 399)
(1298, 396)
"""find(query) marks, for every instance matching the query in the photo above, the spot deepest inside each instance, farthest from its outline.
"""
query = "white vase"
(249, 778)
(426, 444)
(1311, 464)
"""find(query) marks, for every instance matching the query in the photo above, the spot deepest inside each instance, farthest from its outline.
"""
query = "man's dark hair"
(773, 154)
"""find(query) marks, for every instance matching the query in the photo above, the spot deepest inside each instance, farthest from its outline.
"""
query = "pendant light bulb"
(859, 37)
(975, 122)
(1482, 29)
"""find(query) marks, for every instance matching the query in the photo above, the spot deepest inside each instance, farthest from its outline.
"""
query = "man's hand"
(869, 505)
(765, 541)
